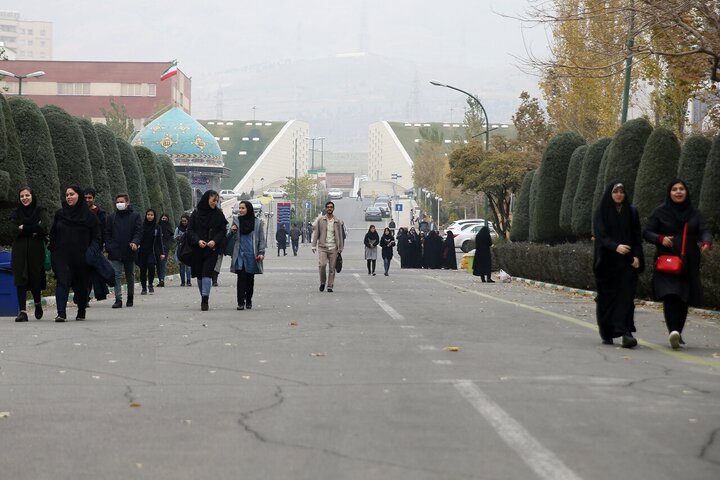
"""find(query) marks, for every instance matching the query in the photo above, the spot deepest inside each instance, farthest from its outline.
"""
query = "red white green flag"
(172, 70)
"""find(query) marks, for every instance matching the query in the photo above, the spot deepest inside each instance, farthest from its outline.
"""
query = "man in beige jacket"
(328, 238)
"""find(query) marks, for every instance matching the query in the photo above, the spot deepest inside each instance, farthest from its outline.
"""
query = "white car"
(275, 192)
(335, 194)
(228, 194)
(465, 239)
(458, 225)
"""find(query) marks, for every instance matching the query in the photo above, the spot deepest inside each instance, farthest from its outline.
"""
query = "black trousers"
(675, 311)
(371, 265)
(245, 286)
(22, 296)
(147, 275)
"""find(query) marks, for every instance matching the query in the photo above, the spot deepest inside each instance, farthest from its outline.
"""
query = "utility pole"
(628, 65)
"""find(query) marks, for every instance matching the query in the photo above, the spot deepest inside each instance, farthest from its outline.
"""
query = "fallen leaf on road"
(716, 355)
(135, 404)
(4, 414)
(293, 324)
(693, 420)
(318, 354)
(453, 349)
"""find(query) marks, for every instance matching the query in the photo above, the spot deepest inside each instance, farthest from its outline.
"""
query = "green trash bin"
(470, 256)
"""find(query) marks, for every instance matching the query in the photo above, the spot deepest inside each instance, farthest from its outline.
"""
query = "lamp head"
(39, 73)
(437, 84)
(5, 73)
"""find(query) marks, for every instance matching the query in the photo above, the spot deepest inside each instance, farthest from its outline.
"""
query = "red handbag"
(672, 264)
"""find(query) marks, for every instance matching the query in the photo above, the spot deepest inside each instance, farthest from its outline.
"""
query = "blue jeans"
(204, 285)
(185, 274)
(129, 267)
(161, 270)
(386, 264)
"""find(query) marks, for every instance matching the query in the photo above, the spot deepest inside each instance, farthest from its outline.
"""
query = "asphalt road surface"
(361, 383)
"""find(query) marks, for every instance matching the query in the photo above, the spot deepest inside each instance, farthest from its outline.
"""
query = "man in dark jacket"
(123, 232)
(295, 238)
(95, 281)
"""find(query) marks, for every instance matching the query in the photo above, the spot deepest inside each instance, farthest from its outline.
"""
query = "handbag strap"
(682, 248)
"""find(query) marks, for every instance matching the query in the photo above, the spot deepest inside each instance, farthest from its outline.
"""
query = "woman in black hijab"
(432, 253)
(449, 259)
(151, 251)
(665, 229)
(387, 242)
(166, 233)
(617, 262)
(28, 253)
(74, 228)
(403, 247)
(246, 245)
(206, 234)
(482, 263)
(371, 241)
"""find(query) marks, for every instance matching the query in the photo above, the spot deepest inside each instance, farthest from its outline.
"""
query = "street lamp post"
(296, 187)
(20, 78)
(437, 225)
(487, 120)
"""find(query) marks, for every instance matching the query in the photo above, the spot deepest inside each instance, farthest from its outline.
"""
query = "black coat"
(387, 242)
(121, 229)
(205, 224)
(449, 258)
(281, 238)
(28, 251)
(482, 263)
(151, 245)
(69, 240)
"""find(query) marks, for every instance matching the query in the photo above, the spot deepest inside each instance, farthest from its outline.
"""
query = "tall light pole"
(322, 152)
(20, 78)
(296, 187)
(487, 121)
(437, 225)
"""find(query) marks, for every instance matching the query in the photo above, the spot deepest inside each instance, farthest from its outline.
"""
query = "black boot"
(117, 304)
(22, 317)
(129, 301)
(38, 311)
(204, 304)
(80, 314)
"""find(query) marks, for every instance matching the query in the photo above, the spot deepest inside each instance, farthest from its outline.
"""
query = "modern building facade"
(86, 88)
(29, 40)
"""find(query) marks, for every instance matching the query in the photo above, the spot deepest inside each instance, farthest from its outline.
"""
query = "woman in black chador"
(74, 228)
(28, 253)
(665, 229)
(482, 264)
(403, 247)
(432, 253)
(618, 261)
(205, 234)
(151, 252)
(449, 259)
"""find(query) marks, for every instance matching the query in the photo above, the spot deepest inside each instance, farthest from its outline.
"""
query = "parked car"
(373, 213)
(335, 194)
(465, 240)
(384, 208)
(275, 192)
(228, 194)
(457, 225)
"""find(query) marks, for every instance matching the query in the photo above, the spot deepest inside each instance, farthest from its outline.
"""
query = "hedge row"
(570, 264)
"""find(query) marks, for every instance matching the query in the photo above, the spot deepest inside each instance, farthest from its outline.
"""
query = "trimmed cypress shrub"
(710, 193)
(520, 229)
(171, 179)
(38, 156)
(148, 162)
(624, 154)
(167, 202)
(11, 162)
(4, 186)
(550, 178)
(582, 211)
(132, 175)
(599, 183)
(143, 181)
(533, 201)
(97, 163)
(658, 166)
(71, 155)
(185, 192)
(571, 185)
(693, 157)
(113, 164)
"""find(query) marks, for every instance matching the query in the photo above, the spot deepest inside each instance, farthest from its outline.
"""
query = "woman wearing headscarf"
(151, 251)
(72, 231)
(246, 245)
(166, 234)
(180, 239)
(387, 242)
(617, 262)
(403, 247)
(482, 264)
(281, 238)
(371, 241)
(414, 249)
(449, 259)
(28, 253)
(206, 234)
(665, 229)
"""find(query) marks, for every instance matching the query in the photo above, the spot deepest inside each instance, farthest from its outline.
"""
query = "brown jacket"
(320, 233)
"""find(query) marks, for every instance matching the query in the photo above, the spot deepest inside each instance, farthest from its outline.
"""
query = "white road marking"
(541, 460)
(407, 326)
(394, 314)
(428, 348)
(442, 362)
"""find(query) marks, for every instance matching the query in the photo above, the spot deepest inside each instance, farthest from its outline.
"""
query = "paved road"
(357, 384)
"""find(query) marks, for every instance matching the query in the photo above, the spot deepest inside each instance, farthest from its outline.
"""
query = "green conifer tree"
(571, 183)
(11, 162)
(185, 191)
(113, 164)
(152, 179)
(165, 189)
(624, 154)
(520, 230)
(693, 157)
(132, 175)
(583, 204)
(97, 163)
(710, 192)
(658, 166)
(171, 179)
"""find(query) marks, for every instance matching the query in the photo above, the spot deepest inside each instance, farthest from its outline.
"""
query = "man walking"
(359, 195)
(123, 234)
(295, 238)
(328, 239)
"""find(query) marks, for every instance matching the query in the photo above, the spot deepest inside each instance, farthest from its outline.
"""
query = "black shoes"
(182, 284)
(143, 291)
(241, 307)
(204, 306)
(61, 317)
(330, 290)
(81, 314)
(151, 289)
(373, 274)
(322, 287)
(248, 305)
(117, 304)
(161, 283)
(129, 302)
(607, 341)
(22, 317)
(628, 341)
(38, 311)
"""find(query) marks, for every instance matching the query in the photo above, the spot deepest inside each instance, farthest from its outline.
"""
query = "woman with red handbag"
(617, 262)
(678, 230)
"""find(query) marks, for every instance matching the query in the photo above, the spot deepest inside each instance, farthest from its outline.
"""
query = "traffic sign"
(398, 207)
(307, 204)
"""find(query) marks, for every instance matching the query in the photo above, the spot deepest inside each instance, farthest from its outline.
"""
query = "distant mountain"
(341, 96)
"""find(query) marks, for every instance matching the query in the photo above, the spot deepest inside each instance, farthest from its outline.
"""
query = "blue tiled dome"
(178, 135)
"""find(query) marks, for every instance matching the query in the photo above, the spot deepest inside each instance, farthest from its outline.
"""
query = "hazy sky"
(211, 37)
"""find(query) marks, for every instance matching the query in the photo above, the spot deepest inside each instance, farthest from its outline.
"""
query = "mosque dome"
(182, 138)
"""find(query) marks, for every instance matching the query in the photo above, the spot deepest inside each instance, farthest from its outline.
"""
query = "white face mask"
(121, 206)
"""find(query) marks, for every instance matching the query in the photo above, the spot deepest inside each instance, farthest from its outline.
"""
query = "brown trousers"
(327, 257)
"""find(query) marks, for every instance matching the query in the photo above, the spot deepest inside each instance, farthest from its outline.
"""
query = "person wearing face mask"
(123, 233)
(246, 246)
(166, 235)
(185, 274)
(72, 231)
(670, 221)
(28, 253)
(150, 253)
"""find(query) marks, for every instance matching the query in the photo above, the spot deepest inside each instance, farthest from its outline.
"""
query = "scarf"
(29, 215)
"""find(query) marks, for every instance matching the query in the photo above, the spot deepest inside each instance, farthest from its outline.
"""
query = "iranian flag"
(172, 70)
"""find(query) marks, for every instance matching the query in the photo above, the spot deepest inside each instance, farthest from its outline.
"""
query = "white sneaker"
(674, 339)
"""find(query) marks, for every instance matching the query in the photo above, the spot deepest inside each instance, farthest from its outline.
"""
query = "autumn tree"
(533, 128)
(118, 120)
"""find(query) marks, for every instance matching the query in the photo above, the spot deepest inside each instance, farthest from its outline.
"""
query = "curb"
(593, 294)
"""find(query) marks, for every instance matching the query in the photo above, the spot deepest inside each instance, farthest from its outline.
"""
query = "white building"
(29, 40)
